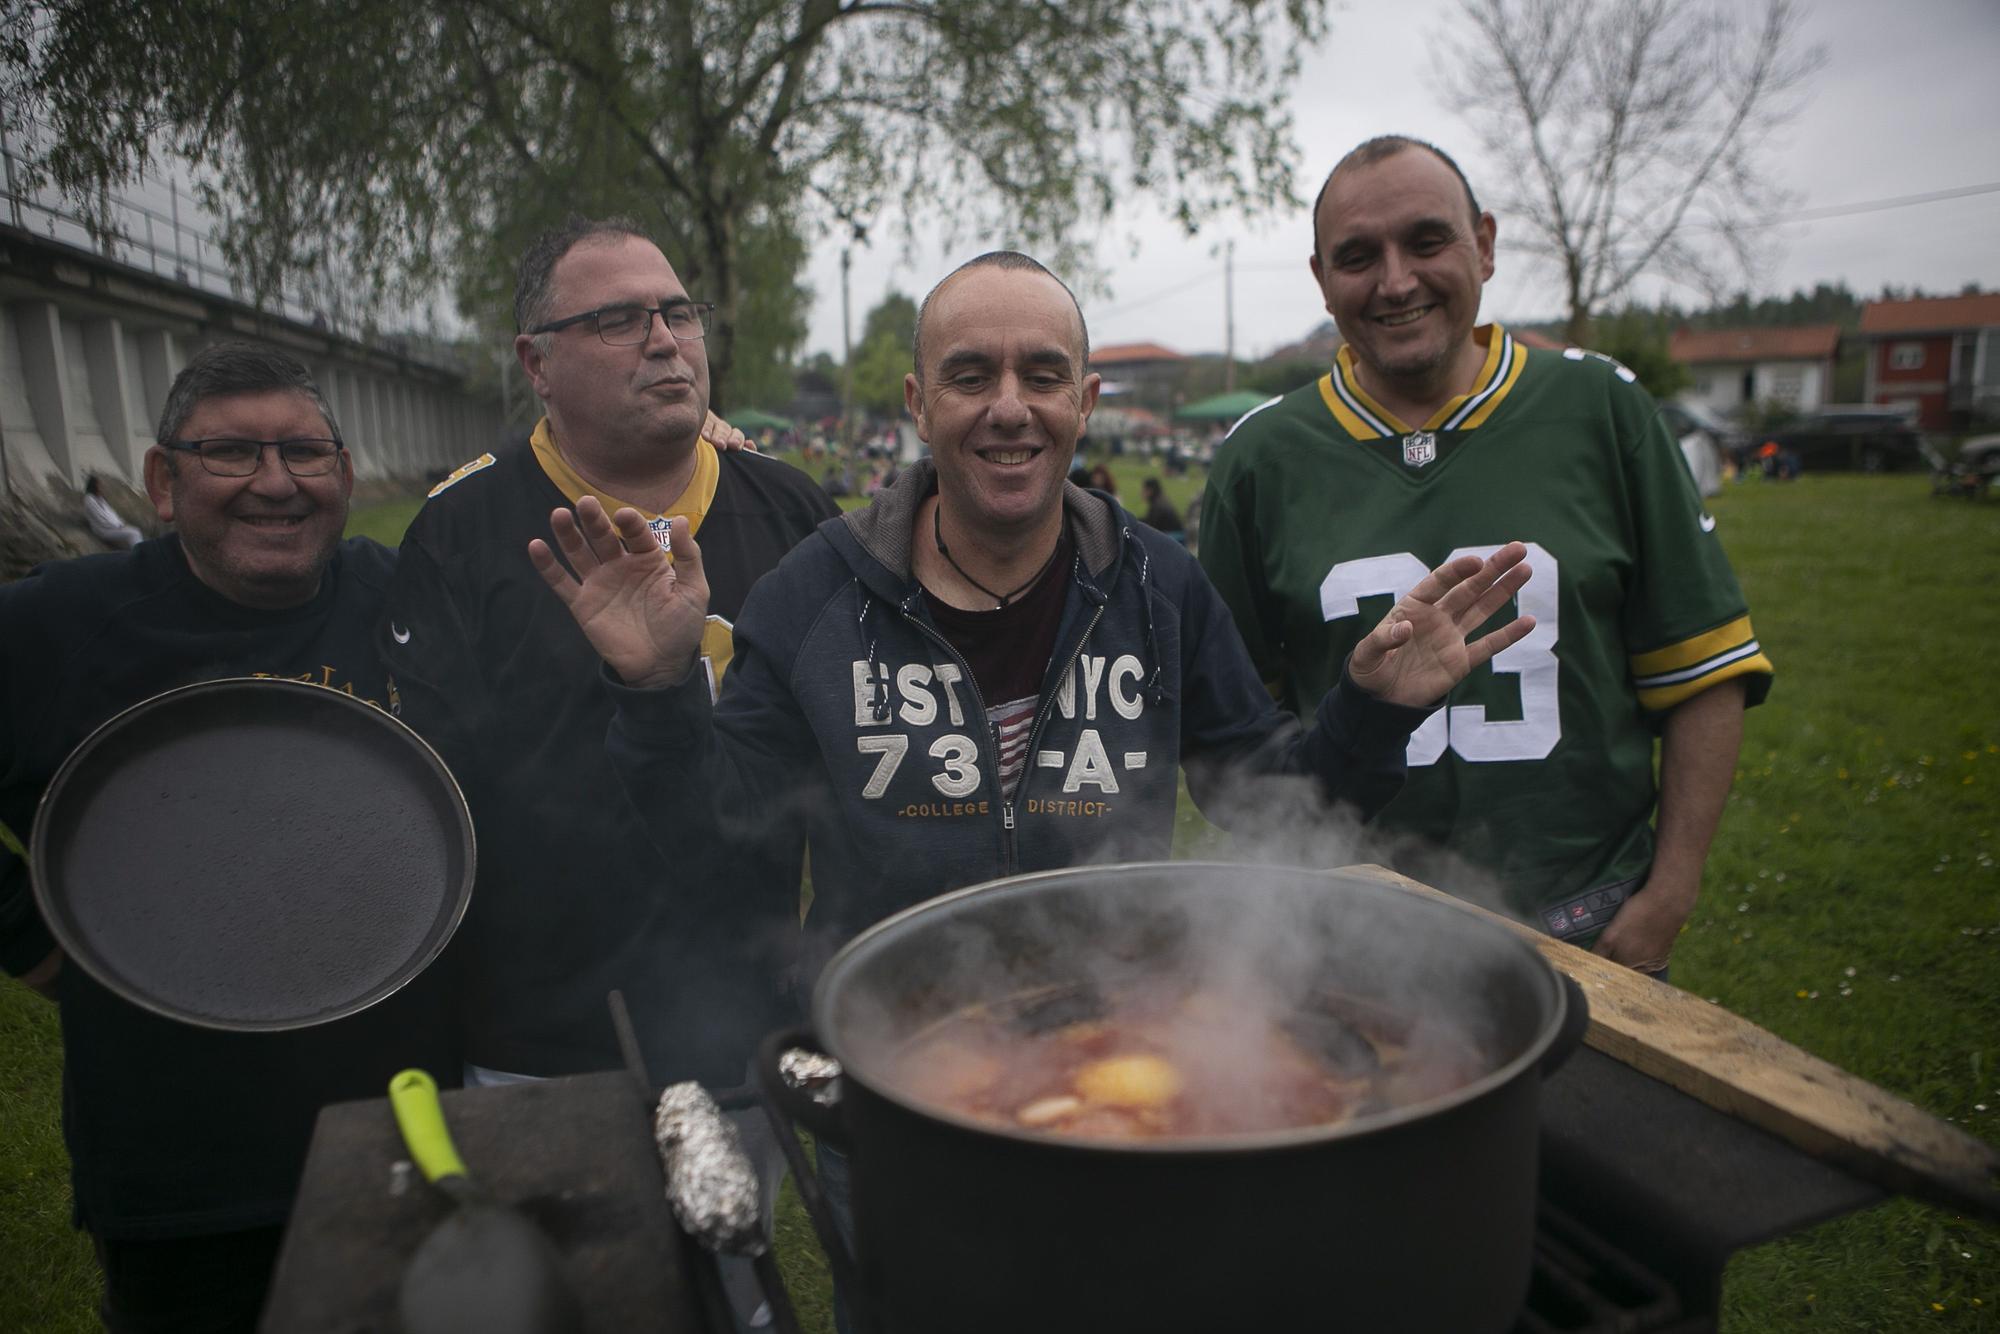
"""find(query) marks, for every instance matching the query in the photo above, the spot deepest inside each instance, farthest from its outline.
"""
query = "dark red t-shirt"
(1008, 651)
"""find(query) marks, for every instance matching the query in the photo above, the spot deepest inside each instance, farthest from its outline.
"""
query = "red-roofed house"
(1130, 423)
(1939, 356)
(1126, 354)
(1734, 368)
(1141, 375)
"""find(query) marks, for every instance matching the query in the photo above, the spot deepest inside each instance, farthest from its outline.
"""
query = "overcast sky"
(1903, 106)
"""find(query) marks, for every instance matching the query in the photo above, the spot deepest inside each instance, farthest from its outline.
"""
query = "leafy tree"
(1827, 303)
(884, 355)
(1281, 377)
(1627, 133)
(1203, 375)
(1638, 338)
(1850, 373)
(893, 317)
(417, 139)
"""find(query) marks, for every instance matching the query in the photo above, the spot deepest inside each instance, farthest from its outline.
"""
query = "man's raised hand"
(641, 612)
(1420, 650)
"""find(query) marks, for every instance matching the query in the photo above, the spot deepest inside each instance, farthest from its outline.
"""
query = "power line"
(1161, 295)
(1195, 281)
(1869, 205)
(1802, 215)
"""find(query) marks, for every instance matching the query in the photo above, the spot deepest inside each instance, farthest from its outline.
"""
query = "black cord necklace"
(937, 535)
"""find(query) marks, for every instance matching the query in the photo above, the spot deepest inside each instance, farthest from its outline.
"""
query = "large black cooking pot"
(1414, 1218)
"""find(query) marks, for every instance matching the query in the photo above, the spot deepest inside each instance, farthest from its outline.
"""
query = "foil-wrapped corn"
(711, 1184)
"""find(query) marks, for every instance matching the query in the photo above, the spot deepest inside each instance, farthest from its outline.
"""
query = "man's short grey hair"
(1371, 151)
(224, 369)
(998, 259)
(534, 286)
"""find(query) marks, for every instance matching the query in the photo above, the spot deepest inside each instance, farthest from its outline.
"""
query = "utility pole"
(1228, 316)
(846, 361)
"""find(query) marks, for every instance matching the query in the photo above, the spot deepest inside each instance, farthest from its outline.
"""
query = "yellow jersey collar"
(1365, 419)
(693, 502)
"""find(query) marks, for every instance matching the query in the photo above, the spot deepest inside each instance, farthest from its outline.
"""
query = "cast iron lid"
(252, 854)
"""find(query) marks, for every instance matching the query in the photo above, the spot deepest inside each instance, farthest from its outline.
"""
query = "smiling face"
(263, 540)
(1401, 267)
(650, 396)
(1003, 397)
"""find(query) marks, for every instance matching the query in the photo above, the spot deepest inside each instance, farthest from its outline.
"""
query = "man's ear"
(913, 402)
(533, 361)
(159, 471)
(1487, 230)
(1092, 386)
(1319, 277)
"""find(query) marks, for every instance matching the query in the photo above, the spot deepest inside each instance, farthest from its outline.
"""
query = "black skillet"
(252, 855)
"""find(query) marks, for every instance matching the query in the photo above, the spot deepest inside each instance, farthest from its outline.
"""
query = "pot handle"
(790, 1109)
(1575, 1022)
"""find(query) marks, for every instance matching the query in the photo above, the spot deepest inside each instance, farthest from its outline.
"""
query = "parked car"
(1858, 439)
(1706, 440)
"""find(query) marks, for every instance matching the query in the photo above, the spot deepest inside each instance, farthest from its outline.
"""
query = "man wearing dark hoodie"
(989, 670)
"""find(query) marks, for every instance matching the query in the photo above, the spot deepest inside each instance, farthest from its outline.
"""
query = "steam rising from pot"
(1270, 944)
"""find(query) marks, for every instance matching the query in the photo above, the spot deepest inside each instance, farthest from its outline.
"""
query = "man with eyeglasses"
(185, 1144)
(988, 670)
(572, 900)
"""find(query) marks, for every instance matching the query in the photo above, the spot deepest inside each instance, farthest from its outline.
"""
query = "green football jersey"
(1322, 509)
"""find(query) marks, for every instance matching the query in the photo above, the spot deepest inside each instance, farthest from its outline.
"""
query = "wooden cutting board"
(1740, 1069)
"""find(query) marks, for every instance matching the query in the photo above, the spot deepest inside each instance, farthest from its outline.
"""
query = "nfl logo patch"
(1419, 448)
(661, 529)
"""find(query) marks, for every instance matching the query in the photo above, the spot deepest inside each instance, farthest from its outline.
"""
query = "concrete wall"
(89, 348)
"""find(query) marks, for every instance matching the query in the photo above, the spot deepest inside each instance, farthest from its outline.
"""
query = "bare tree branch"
(1616, 122)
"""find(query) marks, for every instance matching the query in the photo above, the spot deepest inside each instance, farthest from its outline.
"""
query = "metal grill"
(1584, 1285)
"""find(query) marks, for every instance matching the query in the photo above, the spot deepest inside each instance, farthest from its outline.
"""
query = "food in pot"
(1135, 1080)
(1161, 1063)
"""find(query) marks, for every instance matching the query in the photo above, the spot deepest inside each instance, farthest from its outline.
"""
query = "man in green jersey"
(1435, 436)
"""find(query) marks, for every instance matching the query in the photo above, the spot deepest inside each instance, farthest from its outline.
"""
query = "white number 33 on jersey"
(1465, 727)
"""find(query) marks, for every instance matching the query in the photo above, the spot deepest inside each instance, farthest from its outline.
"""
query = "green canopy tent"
(1221, 407)
(756, 419)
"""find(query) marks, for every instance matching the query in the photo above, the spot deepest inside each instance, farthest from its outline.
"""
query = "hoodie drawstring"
(878, 702)
(1156, 693)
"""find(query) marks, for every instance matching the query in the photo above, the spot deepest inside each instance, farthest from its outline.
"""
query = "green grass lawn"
(384, 521)
(1852, 903)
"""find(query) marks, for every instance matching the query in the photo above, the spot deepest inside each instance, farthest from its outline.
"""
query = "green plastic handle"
(414, 1096)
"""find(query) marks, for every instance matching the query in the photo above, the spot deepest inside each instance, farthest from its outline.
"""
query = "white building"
(1734, 368)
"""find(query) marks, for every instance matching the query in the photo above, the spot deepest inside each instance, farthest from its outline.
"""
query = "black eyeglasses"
(622, 326)
(304, 457)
